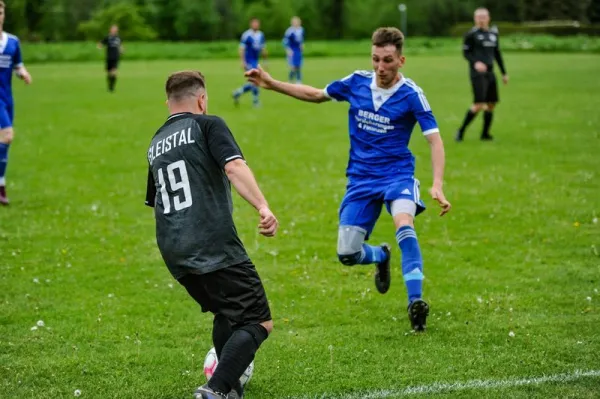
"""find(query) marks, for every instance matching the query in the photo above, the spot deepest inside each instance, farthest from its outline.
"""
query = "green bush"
(131, 23)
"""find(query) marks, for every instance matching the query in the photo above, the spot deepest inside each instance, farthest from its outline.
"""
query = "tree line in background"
(207, 20)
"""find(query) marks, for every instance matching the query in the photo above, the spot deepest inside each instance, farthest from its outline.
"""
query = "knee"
(478, 107)
(268, 325)
(349, 259)
(6, 135)
(404, 219)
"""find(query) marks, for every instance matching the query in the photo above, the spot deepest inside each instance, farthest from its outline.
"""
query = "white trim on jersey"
(419, 91)
(431, 131)
(380, 95)
(231, 158)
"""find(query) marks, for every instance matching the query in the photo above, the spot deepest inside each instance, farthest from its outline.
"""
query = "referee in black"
(114, 48)
(481, 48)
(193, 158)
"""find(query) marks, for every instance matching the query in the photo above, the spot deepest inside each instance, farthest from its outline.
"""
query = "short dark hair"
(184, 84)
(385, 36)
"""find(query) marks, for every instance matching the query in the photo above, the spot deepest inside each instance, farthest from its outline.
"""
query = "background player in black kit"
(193, 158)
(114, 48)
(481, 48)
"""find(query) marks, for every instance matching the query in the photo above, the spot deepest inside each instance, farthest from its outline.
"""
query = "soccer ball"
(211, 362)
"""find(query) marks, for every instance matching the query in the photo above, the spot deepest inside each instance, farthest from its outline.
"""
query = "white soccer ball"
(211, 362)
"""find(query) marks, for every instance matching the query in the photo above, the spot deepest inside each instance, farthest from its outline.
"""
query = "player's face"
(386, 62)
(1, 16)
(482, 18)
(296, 22)
(114, 30)
(255, 24)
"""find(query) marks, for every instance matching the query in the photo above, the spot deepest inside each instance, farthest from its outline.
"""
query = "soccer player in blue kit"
(293, 41)
(252, 47)
(384, 107)
(10, 60)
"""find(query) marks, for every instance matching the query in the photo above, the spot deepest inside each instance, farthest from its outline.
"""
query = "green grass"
(87, 51)
(519, 252)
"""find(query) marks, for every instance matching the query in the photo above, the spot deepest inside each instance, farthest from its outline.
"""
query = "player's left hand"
(26, 77)
(268, 222)
(505, 79)
(438, 194)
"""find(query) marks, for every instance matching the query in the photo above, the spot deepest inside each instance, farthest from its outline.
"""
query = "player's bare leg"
(412, 270)
(6, 137)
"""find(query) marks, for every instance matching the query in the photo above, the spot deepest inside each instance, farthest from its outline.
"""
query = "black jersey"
(483, 45)
(113, 46)
(191, 194)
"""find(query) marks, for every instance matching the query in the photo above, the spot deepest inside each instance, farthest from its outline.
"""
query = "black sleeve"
(468, 52)
(221, 143)
(150, 190)
(105, 41)
(499, 60)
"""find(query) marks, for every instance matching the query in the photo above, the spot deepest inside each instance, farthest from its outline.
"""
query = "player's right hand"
(480, 67)
(259, 77)
(268, 222)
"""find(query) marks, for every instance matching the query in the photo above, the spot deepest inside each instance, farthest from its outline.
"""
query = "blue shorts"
(251, 64)
(6, 116)
(295, 60)
(364, 199)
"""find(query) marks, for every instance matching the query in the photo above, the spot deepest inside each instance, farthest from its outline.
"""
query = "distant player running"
(384, 107)
(252, 47)
(10, 61)
(114, 49)
(193, 158)
(481, 48)
(293, 41)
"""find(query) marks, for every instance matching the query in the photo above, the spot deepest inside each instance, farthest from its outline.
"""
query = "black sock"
(236, 356)
(111, 82)
(468, 118)
(487, 122)
(221, 333)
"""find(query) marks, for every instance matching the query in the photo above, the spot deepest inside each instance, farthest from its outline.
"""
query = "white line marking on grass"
(440, 387)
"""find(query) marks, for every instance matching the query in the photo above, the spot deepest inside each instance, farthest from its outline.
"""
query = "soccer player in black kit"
(193, 158)
(481, 48)
(114, 48)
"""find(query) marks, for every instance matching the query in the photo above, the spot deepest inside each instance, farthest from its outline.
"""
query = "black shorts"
(235, 292)
(112, 63)
(485, 87)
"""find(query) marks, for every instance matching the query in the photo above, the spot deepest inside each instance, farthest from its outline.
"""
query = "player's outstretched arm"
(438, 160)
(242, 178)
(261, 78)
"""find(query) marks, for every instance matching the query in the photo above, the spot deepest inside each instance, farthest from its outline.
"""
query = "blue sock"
(3, 159)
(291, 75)
(298, 75)
(254, 94)
(371, 254)
(412, 262)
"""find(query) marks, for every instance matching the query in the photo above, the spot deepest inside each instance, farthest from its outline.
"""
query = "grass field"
(519, 252)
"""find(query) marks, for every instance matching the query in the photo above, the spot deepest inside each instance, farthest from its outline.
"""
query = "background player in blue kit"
(252, 47)
(293, 41)
(10, 60)
(384, 107)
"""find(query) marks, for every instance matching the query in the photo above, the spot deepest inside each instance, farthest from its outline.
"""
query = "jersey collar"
(3, 41)
(178, 114)
(381, 95)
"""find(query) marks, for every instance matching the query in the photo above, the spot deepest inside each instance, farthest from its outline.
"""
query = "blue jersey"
(10, 58)
(294, 38)
(253, 43)
(381, 122)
